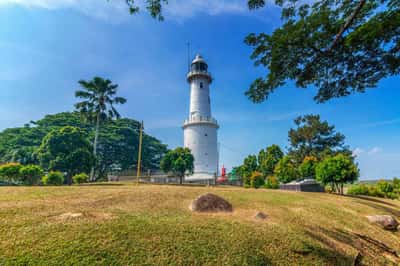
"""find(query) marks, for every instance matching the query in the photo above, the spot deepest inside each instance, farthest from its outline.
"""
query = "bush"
(256, 180)
(30, 174)
(53, 178)
(382, 189)
(80, 178)
(10, 172)
(271, 182)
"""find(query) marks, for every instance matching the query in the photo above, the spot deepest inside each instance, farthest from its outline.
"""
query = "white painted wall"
(201, 139)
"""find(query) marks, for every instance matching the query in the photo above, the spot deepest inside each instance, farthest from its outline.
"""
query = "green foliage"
(30, 174)
(267, 159)
(179, 162)
(66, 150)
(382, 189)
(307, 167)
(339, 47)
(10, 172)
(256, 180)
(313, 137)
(80, 178)
(336, 171)
(117, 149)
(54, 178)
(271, 182)
(286, 171)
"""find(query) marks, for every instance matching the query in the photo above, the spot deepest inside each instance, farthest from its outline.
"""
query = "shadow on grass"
(366, 249)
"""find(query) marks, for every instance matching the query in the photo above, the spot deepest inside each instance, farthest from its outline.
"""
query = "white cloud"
(357, 151)
(374, 150)
(117, 10)
(112, 11)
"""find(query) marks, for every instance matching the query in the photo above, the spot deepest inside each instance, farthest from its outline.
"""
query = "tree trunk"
(96, 136)
(181, 180)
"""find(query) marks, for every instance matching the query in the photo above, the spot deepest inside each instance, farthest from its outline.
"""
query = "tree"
(256, 180)
(307, 167)
(336, 171)
(30, 174)
(267, 159)
(66, 150)
(179, 162)
(98, 104)
(340, 47)
(314, 137)
(117, 150)
(285, 171)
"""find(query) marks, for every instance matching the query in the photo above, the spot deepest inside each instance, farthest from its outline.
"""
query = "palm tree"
(98, 105)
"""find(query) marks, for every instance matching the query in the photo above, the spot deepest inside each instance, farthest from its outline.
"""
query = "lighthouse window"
(201, 85)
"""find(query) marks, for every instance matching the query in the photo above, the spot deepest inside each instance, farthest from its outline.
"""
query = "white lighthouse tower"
(200, 129)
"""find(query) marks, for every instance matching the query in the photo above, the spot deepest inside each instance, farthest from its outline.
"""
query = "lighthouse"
(200, 128)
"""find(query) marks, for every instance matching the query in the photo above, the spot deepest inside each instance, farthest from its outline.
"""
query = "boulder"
(260, 216)
(386, 221)
(210, 203)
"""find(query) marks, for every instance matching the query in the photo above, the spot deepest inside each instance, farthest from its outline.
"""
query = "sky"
(46, 46)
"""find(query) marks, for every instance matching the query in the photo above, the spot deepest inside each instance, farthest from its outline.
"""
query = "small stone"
(210, 203)
(386, 221)
(260, 216)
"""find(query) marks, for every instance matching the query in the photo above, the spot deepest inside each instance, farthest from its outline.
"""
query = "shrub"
(30, 174)
(382, 189)
(256, 180)
(80, 178)
(10, 171)
(271, 182)
(53, 178)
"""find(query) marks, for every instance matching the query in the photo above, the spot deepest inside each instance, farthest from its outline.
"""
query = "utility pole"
(140, 153)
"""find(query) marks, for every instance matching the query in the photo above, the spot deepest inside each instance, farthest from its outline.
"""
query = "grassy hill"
(126, 224)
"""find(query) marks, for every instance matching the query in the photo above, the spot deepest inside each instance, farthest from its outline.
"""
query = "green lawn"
(152, 225)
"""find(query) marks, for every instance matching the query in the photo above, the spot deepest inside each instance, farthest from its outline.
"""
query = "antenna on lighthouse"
(188, 54)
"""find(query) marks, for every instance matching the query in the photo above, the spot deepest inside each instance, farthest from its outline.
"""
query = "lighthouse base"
(201, 178)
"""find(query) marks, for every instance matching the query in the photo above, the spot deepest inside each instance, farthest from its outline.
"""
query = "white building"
(200, 129)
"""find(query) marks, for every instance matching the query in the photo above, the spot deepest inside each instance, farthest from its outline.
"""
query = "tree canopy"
(340, 47)
(179, 162)
(336, 171)
(118, 142)
(313, 137)
(66, 150)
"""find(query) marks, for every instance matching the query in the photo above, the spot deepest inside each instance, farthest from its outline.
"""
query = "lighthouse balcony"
(199, 73)
(200, 120)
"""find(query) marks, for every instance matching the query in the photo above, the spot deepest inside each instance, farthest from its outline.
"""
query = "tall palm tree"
(99, 98)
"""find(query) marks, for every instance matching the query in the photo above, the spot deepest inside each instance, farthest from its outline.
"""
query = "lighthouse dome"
(199, 64)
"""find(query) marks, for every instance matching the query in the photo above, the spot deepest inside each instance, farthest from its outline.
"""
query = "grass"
(152, 225)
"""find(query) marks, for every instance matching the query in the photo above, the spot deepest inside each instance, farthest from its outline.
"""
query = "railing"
(200, 119)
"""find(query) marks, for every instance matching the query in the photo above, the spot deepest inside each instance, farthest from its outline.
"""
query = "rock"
(386, 221)
(260, 216)
(210, 203)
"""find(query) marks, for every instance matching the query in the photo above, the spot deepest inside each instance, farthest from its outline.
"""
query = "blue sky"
(46, 46)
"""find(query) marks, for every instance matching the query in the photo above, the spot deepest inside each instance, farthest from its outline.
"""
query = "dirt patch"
(76, 216)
